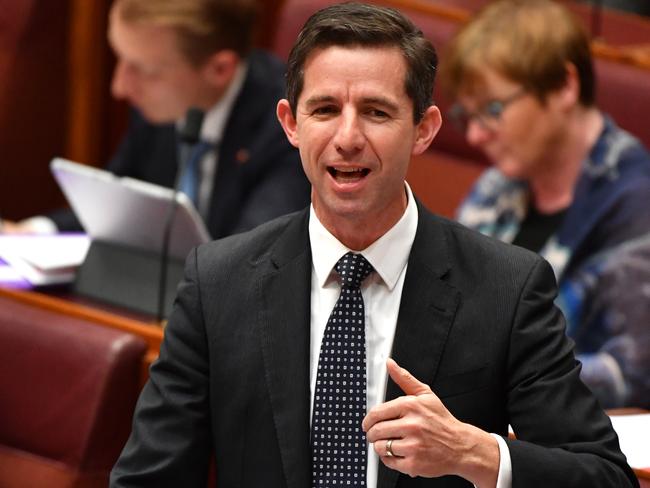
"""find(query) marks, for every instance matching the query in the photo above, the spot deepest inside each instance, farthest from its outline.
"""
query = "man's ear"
(220, 67)
(426, 129)
(287, 121)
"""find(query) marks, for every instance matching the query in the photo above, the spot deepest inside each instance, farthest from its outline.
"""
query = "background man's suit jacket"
(259, 175)
(476, 322)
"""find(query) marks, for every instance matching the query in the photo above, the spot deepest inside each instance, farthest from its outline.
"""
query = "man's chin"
(155, 117)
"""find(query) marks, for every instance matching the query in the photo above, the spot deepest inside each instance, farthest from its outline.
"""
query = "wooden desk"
(644, 477)
(150, 330)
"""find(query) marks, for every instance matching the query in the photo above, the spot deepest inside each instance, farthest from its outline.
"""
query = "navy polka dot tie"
(338, 442)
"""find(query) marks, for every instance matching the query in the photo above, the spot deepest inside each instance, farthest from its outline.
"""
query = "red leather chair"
(623, 91)
(67, 392)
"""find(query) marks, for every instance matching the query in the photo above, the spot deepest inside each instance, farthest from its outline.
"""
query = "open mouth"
(348, 174)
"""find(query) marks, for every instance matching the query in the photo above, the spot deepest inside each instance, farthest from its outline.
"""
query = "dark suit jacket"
(476, 322)
(259, 175)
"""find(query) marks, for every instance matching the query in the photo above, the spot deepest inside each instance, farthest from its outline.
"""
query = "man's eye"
(379, 114)
(325, 110)
(493, 109)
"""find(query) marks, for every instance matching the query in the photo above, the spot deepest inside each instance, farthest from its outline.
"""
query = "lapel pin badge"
(242, 156)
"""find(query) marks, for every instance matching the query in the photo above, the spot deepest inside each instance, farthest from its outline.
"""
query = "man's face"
(151, 72)
(355, 132)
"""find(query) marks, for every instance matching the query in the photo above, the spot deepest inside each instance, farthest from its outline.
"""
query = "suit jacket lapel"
(427, 310)
(284, 295)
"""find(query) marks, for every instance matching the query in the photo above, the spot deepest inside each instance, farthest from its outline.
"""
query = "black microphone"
(188, 137)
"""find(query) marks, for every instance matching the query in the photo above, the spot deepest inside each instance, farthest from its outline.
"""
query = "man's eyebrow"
(318, 99)
(382, 102)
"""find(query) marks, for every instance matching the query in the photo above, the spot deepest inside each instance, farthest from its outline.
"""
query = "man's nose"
(349, 135)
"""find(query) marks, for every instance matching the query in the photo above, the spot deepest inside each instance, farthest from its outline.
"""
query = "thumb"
(405, 380)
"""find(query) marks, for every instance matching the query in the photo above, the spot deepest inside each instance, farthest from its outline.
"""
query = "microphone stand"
(189, 136)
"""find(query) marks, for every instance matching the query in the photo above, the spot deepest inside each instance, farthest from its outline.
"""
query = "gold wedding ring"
(389, 448)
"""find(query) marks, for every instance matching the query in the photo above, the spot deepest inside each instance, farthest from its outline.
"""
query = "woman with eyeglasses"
(566, 181)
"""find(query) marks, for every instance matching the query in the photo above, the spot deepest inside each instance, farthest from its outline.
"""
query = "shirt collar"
(388, 255)
(215, 119)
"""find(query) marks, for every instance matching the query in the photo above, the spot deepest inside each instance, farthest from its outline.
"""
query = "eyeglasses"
(489, 115)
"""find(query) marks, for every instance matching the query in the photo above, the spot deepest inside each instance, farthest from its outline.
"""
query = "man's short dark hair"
(357, 24)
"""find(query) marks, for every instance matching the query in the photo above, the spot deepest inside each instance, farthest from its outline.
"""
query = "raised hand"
(416, 435)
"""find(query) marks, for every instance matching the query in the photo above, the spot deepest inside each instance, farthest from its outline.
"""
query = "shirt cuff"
(504, 479)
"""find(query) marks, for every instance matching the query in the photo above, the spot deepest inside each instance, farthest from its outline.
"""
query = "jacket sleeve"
(564, 438)
(170, 444)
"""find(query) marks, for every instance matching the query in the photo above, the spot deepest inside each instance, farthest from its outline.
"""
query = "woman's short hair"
(530, 42)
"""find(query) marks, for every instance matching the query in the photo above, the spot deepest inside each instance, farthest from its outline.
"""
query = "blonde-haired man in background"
(177, 54)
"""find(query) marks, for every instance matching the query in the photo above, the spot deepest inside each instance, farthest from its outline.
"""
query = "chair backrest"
(623, 91)
(67, 392)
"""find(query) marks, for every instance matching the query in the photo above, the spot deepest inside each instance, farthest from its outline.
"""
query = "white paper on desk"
(45, 259)
(633, 434)
(8, 274)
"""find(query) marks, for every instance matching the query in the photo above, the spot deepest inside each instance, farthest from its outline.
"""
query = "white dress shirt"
(382, 293)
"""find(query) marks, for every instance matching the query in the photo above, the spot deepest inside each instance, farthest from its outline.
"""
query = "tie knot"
(353, 269)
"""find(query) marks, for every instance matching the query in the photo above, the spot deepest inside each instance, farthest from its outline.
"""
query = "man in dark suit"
(177, 54)
(255, 370)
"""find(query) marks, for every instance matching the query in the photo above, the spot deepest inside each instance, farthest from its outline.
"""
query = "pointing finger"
(405, 380)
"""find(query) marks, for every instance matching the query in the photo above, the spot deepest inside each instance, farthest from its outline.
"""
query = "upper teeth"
(349, 170)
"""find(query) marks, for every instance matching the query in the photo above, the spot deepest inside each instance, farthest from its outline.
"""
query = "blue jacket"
(611, 206)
